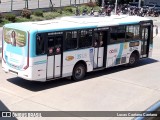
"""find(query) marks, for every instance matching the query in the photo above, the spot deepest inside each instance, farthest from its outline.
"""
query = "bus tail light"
(28, 52)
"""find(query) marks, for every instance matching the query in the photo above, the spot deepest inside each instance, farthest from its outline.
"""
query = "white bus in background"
(72, 46)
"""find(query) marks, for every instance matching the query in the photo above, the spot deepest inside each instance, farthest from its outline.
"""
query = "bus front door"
(54, 56)
(145, 40)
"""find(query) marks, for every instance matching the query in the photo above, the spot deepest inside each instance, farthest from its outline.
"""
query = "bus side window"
(58, 42)
(85, 39)
(113, 34)
(121, 33)
(98, 38)
(132, 32)
(39, 45)
(70, 40)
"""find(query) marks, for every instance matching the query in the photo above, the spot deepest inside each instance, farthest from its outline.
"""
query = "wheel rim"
(132, 60)
(79, 72)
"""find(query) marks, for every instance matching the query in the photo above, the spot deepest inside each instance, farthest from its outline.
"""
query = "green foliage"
(66, 13)
(10, 17)
(38, 13)
(37, 18)
(21, 19)
(51, 15)
(59, 11)
(26, 13)
(68, 9)
(84, 6)
(3, 22)
(1, 17)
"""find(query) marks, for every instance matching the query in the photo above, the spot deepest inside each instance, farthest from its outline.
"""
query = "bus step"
(101, 68)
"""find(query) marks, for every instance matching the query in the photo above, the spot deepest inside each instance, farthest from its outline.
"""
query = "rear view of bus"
(15, 51)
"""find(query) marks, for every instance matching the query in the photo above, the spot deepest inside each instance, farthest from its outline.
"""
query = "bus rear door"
(54, 55)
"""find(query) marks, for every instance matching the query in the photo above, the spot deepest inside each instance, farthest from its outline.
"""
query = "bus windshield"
(15, 37)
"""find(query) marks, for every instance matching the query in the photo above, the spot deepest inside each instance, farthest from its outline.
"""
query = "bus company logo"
(112, 51)
(69, 58)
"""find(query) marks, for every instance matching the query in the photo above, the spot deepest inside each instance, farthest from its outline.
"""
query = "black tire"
(79, 72)
(133, 59)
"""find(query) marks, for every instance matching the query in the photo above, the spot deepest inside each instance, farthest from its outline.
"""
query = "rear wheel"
(133, 59)
(79, 72)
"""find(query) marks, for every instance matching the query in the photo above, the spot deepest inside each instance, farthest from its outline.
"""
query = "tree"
(51, 5)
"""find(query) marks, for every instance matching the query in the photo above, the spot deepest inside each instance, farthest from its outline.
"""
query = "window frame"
(44, 44)
(72, 37)
(133, 37)
(117, 40)
(79, 35)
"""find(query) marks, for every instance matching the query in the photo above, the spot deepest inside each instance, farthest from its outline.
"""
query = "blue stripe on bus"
(13, 60)
(65, 29)
(120, 50)
(17, 50)
(40, 62)
(128, 23)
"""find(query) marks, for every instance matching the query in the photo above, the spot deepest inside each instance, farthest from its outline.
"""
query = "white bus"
(72, 46)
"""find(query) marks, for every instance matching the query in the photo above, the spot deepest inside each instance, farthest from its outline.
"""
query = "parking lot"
(115, 89)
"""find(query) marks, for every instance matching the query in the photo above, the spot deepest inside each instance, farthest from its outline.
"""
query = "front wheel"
(133, 59)
(79, 72)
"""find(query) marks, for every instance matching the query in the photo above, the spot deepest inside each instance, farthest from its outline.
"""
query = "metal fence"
(9, 5)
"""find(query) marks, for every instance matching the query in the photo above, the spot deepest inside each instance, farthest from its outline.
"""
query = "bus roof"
(76, 22)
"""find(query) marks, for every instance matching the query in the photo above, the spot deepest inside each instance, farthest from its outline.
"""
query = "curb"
(151, 109)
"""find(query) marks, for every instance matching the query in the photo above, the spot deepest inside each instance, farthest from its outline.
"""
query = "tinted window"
(54, 42)
(132, 32)
(85, 38)
(117, 34)
(70, 40)
(39, 44)
(98, 38)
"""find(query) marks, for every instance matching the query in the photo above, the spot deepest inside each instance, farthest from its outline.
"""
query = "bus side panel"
(70, 58)
(38, 65)
(118, 54)
(150, 50)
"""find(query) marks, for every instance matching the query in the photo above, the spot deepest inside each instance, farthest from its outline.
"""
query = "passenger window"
(98, 38)
(70, 40)
(85, 39)
(117, 34)
(132, 32)
(55, 43)
(58, 43)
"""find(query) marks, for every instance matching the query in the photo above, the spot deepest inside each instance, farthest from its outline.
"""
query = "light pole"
(11, 5)
(102, 4)
(38, 4)
(116, 7)
(139, 3)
